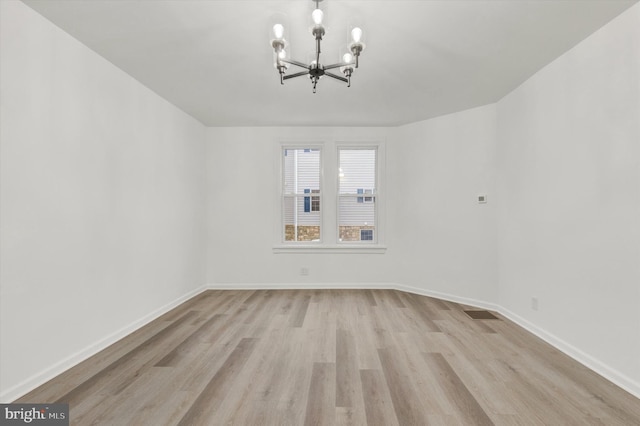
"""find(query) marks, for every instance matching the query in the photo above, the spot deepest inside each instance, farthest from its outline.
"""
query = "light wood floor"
(333, 357)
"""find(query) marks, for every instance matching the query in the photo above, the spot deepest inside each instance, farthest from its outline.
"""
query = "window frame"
(372, 195)
(282, 196)
(315, 200)
(329, 241)
(364, 193)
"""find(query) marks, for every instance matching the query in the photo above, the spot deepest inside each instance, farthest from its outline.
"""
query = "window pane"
(301, 169)
(357, 195)
(357, 171)
(315, 201)
(355, 218)
(300, 225)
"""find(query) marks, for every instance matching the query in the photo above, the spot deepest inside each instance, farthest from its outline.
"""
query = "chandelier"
(315, 70)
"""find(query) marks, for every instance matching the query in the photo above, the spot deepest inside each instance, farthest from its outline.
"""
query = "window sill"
(329, 249)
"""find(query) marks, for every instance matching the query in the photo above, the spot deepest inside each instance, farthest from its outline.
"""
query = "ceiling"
(423, 59)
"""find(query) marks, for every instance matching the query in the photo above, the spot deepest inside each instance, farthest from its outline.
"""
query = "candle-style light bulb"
(347, 58)
(278, 31)
(317, 16)
(356, 33)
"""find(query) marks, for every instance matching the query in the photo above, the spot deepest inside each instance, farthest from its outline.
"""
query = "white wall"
(102, 201)
(446, 240)
(569, 191)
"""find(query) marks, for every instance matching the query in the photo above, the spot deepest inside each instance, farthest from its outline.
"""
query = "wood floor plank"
(322, 395)
(254, 296)
(322, 337)
(300, 312)
(258, 302)
(425, 305)
(370, 298)
(254, 395)
(403, 396)
(419, 311)
(393, 296)
(432, 400)
(343, 357)
(128, 402)
(377, 400)
(468, 408)
(173, 357)
(437, 304)
(292, 398)
(167, 414)
(481, 380)
(211, 396)
(348, 387)
(367, 350)
(191, 305)
(287, 297)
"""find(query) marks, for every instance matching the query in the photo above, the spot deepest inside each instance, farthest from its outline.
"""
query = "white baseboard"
(47, 374)
(300, 286)
(449, 297)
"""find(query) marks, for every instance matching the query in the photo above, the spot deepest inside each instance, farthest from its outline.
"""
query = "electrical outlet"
(304, 271)
(534, 303)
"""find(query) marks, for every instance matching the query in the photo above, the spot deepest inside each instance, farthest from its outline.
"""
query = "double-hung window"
(330, 198)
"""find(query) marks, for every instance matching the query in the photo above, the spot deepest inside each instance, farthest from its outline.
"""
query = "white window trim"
(379, 205)
(279, 235)
(329, 231)
(328, 249)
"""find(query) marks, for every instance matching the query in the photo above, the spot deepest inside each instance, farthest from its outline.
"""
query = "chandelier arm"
(337, 77)
(341, 64)
(296, 63)
(298, 74)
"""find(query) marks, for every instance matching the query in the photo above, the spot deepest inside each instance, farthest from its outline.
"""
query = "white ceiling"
(423, 59)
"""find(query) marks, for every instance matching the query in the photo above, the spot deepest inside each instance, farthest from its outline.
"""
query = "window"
(366, 234)
(356, 194)
(343, 179)
(301, 212)
(365, 199)
(311, 204)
